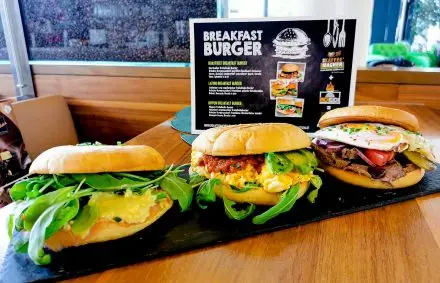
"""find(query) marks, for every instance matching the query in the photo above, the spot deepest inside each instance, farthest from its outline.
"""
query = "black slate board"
(176, 232)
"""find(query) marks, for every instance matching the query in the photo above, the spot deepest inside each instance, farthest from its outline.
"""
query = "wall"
(111, 104)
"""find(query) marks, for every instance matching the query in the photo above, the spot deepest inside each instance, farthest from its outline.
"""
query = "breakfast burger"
(373, 147)
(290, 71)
(279, 88)
(283, 88)
(79, 195)
(289, 107)
(253, 164)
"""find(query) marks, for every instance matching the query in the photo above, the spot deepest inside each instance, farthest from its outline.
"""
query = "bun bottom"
(353, 178)
(106, 230)
(255, 196)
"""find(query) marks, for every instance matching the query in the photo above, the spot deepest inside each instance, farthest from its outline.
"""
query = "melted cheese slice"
(130, 208)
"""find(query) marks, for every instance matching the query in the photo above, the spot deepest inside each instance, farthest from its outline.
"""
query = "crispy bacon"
(231, 164)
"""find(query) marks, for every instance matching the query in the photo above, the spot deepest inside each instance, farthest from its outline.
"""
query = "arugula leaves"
(34, 211)
(62, 181)
(237, 214)
(195, 179)
(247, 187)
(206, 192)
(105, 181)
(20, 242)
(242, 190)
(85, 220)
(178, 189)
(63, 215)
(27, 188)
(38, 235)
(10, 226)
(288, 199)
(47, 203)
(18, 191)
(317, 183)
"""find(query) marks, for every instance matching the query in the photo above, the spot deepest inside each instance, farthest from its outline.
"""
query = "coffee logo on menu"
(291, 43)
(333, 62)
(336, 39)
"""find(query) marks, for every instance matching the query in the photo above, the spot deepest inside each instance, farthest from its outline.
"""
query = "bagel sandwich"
(79, 195)
(253, 164)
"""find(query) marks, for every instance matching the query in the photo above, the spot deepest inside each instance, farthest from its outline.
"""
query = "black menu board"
(270, 70)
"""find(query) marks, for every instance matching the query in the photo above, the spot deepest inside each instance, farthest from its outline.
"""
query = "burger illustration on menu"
(291, 43)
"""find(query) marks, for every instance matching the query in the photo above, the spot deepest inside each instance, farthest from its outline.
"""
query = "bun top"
(70, 159)
(251, 139)
(370, 113)
(290, 68)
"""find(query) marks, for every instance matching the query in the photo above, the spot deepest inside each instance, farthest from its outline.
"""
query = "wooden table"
(396, 243)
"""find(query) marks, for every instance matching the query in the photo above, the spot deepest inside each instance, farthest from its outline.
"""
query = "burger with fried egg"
(253, 164)
(373, 147)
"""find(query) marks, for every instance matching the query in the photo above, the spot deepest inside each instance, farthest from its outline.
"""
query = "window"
(3, 51)
(423, 25)
(111, 30)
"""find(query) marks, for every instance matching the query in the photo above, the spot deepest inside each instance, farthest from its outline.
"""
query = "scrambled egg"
(270, 182)
(130, 208)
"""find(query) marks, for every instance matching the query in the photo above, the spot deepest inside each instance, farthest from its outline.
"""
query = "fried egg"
(377, 136)
(271, 183)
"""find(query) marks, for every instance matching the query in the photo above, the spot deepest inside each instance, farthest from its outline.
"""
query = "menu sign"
(270, 70)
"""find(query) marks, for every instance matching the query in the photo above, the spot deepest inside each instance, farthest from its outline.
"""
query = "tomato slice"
(379, 157)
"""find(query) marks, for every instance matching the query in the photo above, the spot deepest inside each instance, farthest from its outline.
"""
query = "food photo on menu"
(289, 107)
(291, 70)
(283, 88)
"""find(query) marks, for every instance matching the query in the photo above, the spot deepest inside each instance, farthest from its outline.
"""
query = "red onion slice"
(365, 158)
(337, 147)
(325, 143)
(321, 142)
